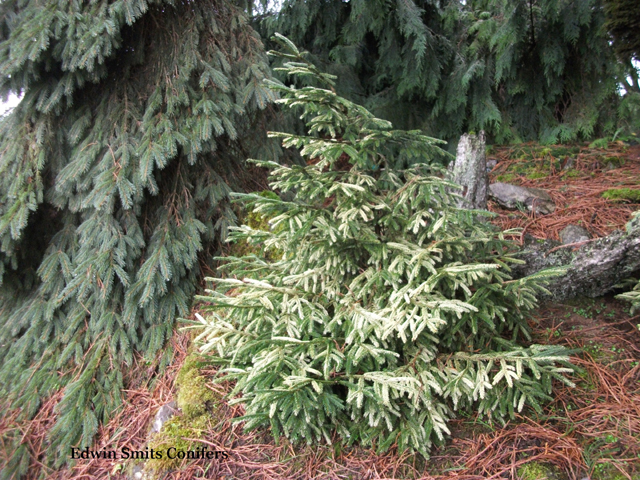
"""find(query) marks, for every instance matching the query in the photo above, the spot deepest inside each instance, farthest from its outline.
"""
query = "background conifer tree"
(389, 308)
(114, 175)
(521, 70)
(623, 23)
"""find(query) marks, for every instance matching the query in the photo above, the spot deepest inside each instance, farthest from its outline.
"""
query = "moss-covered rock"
(197, 404)
(593, 270)
(173, 436)
(194, 398)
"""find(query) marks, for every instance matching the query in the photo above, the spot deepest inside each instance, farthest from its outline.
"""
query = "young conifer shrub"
(632, 296)
(388, 309)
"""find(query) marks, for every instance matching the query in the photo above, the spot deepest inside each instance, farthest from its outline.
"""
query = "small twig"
(202, 440)
(575, 244)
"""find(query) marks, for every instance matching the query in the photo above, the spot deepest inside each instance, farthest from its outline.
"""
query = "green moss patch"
(536, 175)
(622, 195)
(197, 404)
(535, 161)
(256, 221)
(533, 151)
(537, 471)
(572, 173)
(608, 471)
(173, 436)
(194, 398)
(506, 178)
(612, 160)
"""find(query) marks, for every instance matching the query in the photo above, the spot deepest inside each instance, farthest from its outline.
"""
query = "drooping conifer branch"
(115, 173)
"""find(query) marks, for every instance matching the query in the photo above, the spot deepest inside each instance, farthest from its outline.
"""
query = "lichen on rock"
(593, 269)
(512, 196)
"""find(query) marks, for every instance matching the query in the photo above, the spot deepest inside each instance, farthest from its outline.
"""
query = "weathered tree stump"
(470, 171)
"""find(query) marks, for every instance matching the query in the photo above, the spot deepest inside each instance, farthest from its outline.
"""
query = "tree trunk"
(594, 267)
(470, 171)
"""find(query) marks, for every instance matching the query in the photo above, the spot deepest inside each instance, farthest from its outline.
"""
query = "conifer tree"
(115, 171)
(388, 308)
(520, 70)
(623, 23)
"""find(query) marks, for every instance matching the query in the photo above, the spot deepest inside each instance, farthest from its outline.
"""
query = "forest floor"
(590, 431)
(595, 188)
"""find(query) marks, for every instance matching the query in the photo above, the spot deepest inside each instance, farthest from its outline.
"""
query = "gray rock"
(511, 196)
(165, 413)
(469, 170)
(491, 164)
(138, 473)
(569, 163)
(574, 234)
(633, 225)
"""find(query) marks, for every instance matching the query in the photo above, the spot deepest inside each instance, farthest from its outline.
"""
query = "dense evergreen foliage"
(535, 69)
(623, 22)
(388, 308)
(136, 118)
(115, 171)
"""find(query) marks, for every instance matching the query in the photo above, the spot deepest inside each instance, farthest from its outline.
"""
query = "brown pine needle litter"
(575, 181)
(587, 428)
